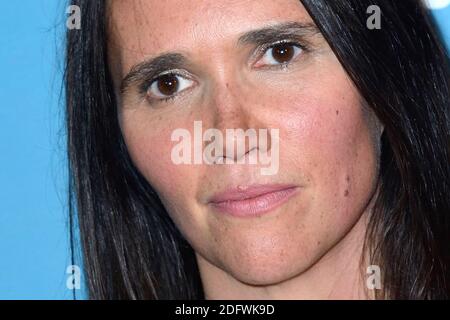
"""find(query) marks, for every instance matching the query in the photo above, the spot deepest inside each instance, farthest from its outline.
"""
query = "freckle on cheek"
(346, 192)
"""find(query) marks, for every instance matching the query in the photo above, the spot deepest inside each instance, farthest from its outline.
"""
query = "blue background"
(34, 252)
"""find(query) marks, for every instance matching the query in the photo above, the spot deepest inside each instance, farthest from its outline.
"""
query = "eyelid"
(150, 80)
(146, 86)
(258, 53)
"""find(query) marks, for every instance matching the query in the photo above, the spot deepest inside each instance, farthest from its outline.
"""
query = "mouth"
(251, 201)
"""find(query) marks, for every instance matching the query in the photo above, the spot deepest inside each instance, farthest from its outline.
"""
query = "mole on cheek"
(346, 192)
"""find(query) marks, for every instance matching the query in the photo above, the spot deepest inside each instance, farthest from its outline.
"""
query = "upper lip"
(241, 193)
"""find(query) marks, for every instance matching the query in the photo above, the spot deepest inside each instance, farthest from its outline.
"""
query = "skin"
(311, 246)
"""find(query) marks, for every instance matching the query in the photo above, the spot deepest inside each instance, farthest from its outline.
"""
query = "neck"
(339, 274)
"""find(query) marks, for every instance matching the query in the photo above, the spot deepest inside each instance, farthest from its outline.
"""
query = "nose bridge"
(227, 89)
(228, 105)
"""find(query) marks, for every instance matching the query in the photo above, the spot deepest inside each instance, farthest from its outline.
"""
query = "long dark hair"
(132, 249)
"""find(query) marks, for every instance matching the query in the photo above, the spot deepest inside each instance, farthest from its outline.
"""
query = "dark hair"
(132, 249)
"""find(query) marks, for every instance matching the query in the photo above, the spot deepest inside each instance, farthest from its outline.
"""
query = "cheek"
(341, 157)
(330, 146)
(149, 145)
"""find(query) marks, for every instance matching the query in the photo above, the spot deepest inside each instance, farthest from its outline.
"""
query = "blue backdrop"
(34, 252)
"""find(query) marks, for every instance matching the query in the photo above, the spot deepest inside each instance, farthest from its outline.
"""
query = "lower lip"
(255, 206)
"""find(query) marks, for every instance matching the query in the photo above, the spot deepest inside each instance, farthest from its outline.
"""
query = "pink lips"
(253, 200)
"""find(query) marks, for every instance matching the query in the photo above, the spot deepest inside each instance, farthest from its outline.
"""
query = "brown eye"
(167, 85)
(281, 54)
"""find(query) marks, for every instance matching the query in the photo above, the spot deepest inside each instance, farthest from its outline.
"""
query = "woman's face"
(328, 142)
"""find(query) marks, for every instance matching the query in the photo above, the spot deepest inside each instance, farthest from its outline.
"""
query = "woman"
(355, 112)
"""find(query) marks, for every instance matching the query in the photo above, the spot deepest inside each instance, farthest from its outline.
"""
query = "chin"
(267, 269)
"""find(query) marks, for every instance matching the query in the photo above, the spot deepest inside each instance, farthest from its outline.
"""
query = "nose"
(234, 113)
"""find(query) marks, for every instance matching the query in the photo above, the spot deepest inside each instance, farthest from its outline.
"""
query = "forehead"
(149, 27)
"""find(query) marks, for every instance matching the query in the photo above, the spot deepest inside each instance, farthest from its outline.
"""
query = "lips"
(250, 201)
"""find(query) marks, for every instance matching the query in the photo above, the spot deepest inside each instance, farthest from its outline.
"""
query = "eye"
(280, 54)
(167, 86)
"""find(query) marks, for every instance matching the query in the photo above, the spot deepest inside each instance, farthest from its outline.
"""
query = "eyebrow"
(152, 67)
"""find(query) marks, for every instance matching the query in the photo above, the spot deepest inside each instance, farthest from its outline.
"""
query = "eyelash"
(259, 53)
(148, 84)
